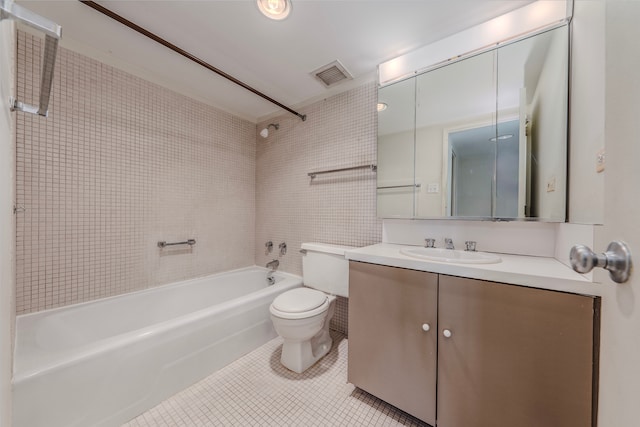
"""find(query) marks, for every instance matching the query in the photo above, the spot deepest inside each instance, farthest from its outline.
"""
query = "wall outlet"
(600, 161)
(433, 188)
(551, 184)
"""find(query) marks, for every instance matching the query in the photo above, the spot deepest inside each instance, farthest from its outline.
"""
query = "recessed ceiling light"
(381, 106)
(275, 9)
(500, 137)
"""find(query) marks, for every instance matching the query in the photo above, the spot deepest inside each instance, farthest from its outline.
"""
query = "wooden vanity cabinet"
(516, 356)
(507, 355)
(390, 354)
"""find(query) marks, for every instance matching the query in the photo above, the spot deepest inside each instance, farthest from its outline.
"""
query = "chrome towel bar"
(398, 186)
(189, 242)
(373, 168)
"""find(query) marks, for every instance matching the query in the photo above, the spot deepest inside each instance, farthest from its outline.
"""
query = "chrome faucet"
(268, 247)
(273, 265)
(470, 246)
(448, 243)
(429, 243)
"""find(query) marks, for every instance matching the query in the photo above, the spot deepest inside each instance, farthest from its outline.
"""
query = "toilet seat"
(299, 303)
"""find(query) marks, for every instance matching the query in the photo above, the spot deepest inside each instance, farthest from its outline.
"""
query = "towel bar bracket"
(15, 105)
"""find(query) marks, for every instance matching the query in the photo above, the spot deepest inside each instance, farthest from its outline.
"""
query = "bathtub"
(103, 362)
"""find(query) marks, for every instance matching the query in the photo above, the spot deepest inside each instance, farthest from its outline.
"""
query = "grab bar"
(372, 167)
(189, 242)
(52, 33)
(398, 186)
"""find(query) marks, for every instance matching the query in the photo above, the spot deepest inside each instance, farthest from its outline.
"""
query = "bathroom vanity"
(467, 351)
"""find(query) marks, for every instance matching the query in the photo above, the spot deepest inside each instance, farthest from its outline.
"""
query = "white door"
(619, 403)
(7, 220)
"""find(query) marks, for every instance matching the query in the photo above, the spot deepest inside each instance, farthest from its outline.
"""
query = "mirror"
(396, 180)
(483, 137)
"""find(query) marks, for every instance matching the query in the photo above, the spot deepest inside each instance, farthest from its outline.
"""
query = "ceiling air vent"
(332, 74)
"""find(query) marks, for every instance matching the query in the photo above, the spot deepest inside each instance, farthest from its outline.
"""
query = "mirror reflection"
(396, 150)
(484, 137)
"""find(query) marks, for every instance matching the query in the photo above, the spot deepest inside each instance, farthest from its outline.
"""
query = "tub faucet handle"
(429, 243)
(268, 247)
(283, 248)
(470, 246)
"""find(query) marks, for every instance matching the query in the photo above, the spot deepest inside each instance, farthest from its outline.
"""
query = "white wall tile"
(338, 208)
(119, 164)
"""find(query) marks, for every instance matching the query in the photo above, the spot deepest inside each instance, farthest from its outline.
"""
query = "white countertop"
(537, 272)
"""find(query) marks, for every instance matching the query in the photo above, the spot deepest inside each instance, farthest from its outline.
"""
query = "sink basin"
(451, 255)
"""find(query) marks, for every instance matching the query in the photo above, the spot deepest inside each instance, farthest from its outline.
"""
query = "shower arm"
(52, 33)
(167, 44)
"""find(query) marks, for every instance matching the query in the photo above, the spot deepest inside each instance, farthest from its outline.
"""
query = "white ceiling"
(274, 57)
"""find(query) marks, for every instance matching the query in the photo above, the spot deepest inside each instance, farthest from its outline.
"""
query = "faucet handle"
(448, 243)
(283, 248)
(470, 245)
(268, 247)
(429, 243)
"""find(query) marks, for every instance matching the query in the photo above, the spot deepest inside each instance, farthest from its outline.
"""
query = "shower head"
(265, 132)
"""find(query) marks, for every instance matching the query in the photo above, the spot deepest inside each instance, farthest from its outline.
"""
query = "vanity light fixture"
(531, 18)
(501, 137)
(381, 106)
(275, 9)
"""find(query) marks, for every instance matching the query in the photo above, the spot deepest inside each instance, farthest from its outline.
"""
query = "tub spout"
(273, 265)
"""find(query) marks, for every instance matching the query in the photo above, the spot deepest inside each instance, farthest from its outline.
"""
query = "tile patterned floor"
(256, 390)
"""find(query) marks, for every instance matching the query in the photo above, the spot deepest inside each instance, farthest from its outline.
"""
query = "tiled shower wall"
(119, 165)
(338, 208)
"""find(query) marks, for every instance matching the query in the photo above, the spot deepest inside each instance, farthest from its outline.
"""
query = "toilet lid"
(299, 300)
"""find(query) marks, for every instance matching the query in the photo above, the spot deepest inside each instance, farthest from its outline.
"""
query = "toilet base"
(299, 355)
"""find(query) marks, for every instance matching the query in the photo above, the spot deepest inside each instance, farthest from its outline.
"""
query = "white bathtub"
(103, 362)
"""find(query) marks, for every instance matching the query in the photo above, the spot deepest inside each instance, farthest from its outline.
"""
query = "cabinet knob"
(447, 333)
(426, 327)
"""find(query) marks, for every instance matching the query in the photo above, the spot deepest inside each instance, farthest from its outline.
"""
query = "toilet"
(301, 316)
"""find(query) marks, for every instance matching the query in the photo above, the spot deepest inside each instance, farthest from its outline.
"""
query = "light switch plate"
(551, 184)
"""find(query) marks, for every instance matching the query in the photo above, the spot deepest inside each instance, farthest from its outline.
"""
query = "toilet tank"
(325, 268)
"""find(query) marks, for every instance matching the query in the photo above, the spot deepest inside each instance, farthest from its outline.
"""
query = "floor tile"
(256, 390)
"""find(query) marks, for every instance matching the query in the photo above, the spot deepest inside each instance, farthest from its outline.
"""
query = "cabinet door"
(515, 356)
(390, 354)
